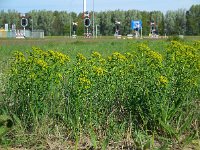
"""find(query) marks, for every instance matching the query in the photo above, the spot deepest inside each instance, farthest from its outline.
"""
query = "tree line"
(56, 23)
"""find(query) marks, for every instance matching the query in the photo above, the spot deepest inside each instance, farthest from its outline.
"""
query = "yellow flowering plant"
(34, 76)
(154, 90)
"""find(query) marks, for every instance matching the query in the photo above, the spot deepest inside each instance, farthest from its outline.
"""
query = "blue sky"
(24, 6)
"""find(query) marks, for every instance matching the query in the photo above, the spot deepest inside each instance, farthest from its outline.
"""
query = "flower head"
(96, 55)
(163, 80)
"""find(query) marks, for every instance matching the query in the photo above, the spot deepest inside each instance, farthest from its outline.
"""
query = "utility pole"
(32, 27)
(96, 30)
(93, 21)
(70, 27)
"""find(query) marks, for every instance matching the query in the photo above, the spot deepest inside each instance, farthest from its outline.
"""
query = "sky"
(24, 6)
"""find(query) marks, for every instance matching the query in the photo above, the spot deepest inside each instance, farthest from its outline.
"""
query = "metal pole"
(24, 32)
(32, 24)
(70, 34)
(96, 31)
(84, 6)
(93, 20)
(84, 11)
(32, 27)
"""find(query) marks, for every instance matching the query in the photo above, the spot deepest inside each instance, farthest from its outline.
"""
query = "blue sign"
(136, 24)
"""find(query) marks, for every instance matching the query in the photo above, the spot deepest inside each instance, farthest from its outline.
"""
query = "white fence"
(22, 34)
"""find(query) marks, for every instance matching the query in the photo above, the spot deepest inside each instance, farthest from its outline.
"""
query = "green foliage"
(175, 38)
(193, 23)
(142, 94)
(6, 124)
(175, 22)
(35, 78)
(178, 22)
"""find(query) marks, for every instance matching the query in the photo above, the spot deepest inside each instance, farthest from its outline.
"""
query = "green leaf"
(169, 129)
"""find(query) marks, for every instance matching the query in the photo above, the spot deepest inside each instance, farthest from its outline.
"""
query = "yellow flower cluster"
(80, 57)
(102, 61)
(155, 55)
(38, 63)
(62, 58)
(183, 53)
(163, 80)
(116, 56)
(42, 63)
(96, 55)
(150, 53)
(84, 81)
(37, 51)
(19, 57)
(99, 70)
(143, 63)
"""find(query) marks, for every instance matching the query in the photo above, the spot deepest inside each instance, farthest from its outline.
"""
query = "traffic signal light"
(87, 22)
(24, 22)
(74, 28)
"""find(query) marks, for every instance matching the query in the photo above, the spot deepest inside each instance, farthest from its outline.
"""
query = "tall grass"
(142, 95)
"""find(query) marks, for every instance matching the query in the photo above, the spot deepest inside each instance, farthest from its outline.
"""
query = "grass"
(124, 94)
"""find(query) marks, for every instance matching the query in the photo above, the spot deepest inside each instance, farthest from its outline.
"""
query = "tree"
(180, 21)
(145, 22)
(58, 22)
(193, 20)
(170, 24)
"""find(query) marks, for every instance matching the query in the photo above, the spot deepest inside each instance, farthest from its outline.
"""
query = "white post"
(32, 27)
(93, 20)
(84, 11)
(24, 32)
(70, 27)
(96, 30)
(32, 24)
(84, 6)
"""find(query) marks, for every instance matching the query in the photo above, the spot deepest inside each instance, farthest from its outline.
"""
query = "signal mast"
(154, 28)
(74, 28)
(86, 17)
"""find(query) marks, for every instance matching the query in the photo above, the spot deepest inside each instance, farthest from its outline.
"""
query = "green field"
(100, 93)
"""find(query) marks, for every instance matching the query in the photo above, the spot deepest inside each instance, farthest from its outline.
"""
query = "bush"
(142, 89)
